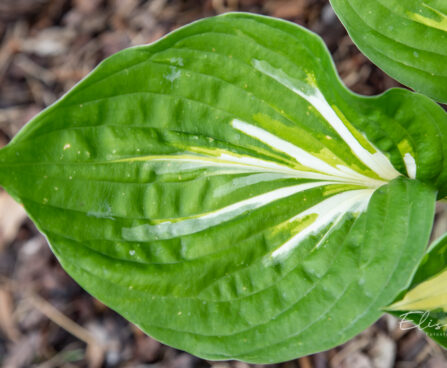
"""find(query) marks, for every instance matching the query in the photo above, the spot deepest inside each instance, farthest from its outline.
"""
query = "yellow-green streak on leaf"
(427, 296)
(362, 140)
(440, 24)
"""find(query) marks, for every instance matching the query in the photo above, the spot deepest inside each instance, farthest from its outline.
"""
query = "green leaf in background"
(407, 39)
(225, 192)
(425, 302)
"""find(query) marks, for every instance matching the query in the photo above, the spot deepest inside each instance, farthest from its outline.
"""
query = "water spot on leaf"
(173, 75)
(177, 60)
(104, 212)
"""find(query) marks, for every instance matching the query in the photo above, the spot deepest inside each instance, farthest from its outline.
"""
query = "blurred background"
(46, 320)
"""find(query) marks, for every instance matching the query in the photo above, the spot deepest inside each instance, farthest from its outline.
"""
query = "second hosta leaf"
(425, 302)
(225, 192)
(407, 39)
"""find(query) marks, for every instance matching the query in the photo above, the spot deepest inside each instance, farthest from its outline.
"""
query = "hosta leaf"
(425, 302)
(429, 295)
(225, 192)
(407, 39)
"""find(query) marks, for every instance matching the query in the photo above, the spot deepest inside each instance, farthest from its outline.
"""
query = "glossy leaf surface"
(407, 39)
(225, 192)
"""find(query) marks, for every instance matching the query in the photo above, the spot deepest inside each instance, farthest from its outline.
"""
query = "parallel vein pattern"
(408, 40)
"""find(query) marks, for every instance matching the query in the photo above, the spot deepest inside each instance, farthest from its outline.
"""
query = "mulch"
(46, 319)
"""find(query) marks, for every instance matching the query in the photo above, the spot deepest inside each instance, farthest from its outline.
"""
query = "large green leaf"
(425, 302)
(406, 38)
(225, 192)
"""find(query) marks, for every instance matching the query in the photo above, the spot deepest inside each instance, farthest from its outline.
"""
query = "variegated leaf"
(223, 190)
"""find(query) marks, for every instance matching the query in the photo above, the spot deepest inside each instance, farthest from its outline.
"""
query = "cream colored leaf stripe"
(244, 164)
(194, 224)
(328, 210)
(342, 173)
(376, 161)
(325, 215)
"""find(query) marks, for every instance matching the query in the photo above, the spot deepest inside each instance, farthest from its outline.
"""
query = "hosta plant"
(225, 192)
